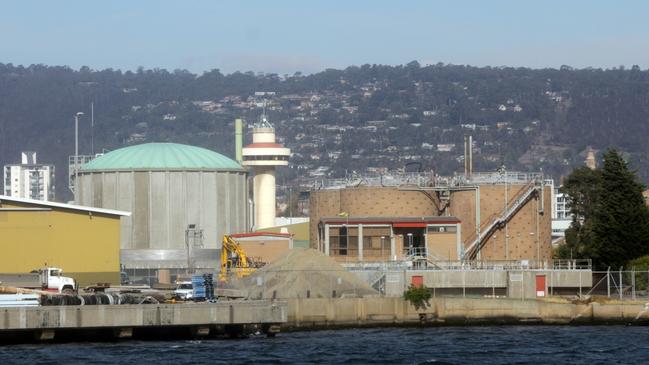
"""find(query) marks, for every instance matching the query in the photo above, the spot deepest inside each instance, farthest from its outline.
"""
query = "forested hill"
(360, 118)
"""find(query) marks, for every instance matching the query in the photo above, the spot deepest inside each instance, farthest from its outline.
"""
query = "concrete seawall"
(354, 312)
(143, 320)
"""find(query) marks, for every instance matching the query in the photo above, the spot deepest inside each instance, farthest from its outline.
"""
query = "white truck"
(184, 290)
(48, 279)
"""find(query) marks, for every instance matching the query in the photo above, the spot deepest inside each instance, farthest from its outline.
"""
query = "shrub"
(418, 296)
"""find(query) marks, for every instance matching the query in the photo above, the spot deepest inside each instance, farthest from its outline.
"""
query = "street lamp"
(76, 149)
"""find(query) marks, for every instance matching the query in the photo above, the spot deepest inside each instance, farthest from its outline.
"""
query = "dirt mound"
(303, 273)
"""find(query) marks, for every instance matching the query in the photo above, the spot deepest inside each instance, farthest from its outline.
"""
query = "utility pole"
(76, 150)
(92, 128)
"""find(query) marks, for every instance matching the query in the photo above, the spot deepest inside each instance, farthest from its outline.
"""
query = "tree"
(610, 219)
(621, 219)
(581, 188)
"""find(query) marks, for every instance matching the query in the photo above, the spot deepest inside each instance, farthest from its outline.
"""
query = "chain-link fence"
(621, 284)
(497, 281)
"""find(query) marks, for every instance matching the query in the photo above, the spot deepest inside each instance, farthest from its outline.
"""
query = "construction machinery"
(234, 260)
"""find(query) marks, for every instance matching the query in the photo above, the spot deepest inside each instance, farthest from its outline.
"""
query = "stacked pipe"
(97, 299)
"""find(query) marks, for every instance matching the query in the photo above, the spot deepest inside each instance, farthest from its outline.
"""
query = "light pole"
(76, 149)
(347, 233)
(503, 171)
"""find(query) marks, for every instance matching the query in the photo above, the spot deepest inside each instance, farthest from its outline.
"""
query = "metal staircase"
(377, 281)
(422, 259)
(495, 221)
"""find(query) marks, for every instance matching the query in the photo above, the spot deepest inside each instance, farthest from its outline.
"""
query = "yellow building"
(83, 241)
(299, 231)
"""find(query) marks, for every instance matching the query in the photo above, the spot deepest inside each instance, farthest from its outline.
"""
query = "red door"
(540, 286)
(417, 281)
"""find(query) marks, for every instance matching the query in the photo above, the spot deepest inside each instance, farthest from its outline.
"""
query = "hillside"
(337, 121)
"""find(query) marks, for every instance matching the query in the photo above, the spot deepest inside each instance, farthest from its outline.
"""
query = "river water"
(548, 345)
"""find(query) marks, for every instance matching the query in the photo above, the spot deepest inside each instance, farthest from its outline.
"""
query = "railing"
(425, 179)
(576, 264)
(405, 179)
(509, 177)
(503, 265)
(412, 252)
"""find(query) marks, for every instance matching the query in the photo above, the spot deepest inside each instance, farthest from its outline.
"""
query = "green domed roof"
(161, 156)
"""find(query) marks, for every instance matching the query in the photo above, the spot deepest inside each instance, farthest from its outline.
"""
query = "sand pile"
(303, 273)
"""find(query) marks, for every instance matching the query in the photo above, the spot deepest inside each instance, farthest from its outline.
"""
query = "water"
(549, 345)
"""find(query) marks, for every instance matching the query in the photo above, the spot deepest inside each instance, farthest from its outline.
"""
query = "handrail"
(504, 265)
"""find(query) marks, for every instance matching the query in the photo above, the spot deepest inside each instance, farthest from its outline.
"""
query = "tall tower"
(263, 155)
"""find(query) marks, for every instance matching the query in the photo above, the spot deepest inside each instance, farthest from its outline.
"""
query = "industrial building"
(390, 238)
(29, 179)
(503, 215)
(183, 200)
(83, 241)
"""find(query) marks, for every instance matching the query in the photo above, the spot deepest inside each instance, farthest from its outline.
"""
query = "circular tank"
(174, 193)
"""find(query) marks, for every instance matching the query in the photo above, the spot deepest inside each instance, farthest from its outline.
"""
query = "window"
(442, 229)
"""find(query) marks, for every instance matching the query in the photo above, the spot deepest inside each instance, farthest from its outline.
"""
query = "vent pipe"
(238, 139)
(468, 156)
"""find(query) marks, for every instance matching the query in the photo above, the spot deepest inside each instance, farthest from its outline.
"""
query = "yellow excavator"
(234, 260)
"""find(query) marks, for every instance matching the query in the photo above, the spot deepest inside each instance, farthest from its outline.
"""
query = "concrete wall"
(376, 311)
(513, 284)
(163, 203)
(522, 284)
(85, 245)
(92, 321)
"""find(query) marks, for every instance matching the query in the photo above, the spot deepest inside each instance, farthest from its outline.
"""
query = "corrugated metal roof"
(161, 156)
(43, 203)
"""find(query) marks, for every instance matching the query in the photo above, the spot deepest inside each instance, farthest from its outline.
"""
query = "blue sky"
(309, 36)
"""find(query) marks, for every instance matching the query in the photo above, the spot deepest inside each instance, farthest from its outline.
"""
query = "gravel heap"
(303, 273)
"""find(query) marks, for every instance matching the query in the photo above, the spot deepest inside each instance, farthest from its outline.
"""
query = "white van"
(184, 290)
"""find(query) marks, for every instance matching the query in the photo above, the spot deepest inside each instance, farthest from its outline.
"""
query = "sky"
(285, 37)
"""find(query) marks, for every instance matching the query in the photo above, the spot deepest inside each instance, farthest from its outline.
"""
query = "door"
(417, 281)
(540, 286)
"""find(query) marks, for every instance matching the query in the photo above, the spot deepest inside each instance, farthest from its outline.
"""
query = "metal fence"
(372, 278)
(621, 284)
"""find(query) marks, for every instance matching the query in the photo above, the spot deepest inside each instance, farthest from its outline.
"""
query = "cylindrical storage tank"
(174, 192)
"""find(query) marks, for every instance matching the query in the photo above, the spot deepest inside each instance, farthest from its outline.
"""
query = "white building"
(29, 180)
(561, 217)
